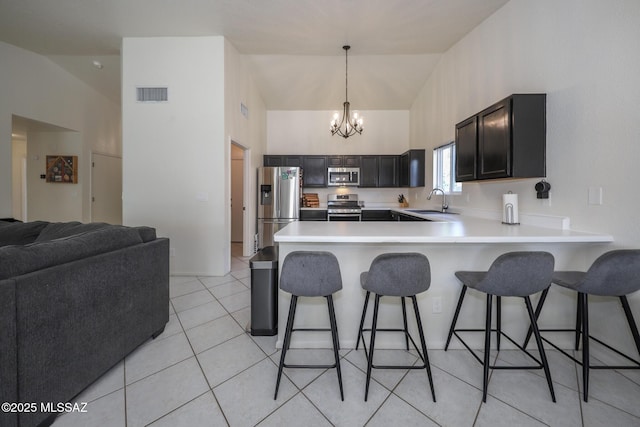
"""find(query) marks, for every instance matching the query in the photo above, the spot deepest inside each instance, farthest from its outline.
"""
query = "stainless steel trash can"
(264, 292)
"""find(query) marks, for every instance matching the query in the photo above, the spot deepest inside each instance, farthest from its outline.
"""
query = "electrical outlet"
(437, 305)
(172, 251)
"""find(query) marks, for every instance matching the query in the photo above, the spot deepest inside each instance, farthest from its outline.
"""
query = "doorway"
(32, 141)
(237, 193)
(106, 188)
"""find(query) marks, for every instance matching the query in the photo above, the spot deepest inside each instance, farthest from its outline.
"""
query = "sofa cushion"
(17, 260)
(20, 233)
(146, 233)
(56, 230)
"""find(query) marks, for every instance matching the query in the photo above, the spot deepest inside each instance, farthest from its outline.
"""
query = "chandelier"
(350, 123)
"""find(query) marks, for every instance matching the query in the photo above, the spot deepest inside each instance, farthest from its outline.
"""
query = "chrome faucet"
(445, 206)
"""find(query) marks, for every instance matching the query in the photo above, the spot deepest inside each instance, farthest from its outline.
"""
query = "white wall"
(592, 96)
(34, 87)
(174, 152)
(307, 132)
(48, 201)
(19, 156)
(584, 55)
(176, 155)
(249, 132)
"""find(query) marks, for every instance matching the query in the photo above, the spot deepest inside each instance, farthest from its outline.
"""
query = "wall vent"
(152, 94)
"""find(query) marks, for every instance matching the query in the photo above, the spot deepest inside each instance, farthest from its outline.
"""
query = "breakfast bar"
(451, 243)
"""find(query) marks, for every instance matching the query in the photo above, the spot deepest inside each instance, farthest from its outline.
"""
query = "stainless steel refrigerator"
(278, 201)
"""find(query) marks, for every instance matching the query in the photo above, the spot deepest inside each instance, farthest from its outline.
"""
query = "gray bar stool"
(399, 275)
(310, 274)
(514, 274)
(613, 274)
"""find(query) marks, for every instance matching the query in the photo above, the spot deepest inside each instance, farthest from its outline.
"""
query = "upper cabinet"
(314, 171)
(340, 161)
(467, 149)
(412, 168)
(388, 171)
(506, 140)
(282, 160)
(406, 170)
(369, 171)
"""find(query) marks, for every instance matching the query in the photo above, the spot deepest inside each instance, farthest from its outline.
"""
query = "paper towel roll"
(510, 209)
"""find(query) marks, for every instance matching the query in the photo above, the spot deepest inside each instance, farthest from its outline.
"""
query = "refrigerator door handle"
(279, 199)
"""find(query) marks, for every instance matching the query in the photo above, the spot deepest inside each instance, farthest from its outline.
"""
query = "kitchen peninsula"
(450, 242)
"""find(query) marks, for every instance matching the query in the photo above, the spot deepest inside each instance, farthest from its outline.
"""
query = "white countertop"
(444, 228)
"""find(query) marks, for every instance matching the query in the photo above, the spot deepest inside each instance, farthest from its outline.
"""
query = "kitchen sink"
(429, 211)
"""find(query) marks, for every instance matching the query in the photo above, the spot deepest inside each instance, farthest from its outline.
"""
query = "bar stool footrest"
(579, 362)
(522, 349)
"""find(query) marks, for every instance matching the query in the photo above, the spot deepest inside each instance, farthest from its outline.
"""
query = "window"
(444, 174)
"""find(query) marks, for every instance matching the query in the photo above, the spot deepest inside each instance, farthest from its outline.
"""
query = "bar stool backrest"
(518, 274)
(398, 274)
(310, 274)
(614, 273)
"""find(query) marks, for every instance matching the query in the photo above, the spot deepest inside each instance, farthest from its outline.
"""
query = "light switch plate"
(595, 195)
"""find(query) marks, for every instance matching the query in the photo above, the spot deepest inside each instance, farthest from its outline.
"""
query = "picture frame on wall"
(62, 169)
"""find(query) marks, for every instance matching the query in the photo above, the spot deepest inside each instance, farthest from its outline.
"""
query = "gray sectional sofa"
(75, 299)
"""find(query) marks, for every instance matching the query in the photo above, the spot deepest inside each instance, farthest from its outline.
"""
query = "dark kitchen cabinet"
(388, 171)
(399, 216)
(510, 140)
(369, 171)
(466, 149)
(313, 214)
(376, 215)
(379, 171)
(282, 160)
(314, 171)
(343, 161)
(412, 168)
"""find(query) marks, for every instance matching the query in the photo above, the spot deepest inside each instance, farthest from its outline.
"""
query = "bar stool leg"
(423, 343)
(632, 323)
(498, 321)
(578, 322)
(584, 301)
(455, 316)
(404, 317)
(487, 349)
(543, 355)
(364, 312)
(287, 338)
(543, 297)
(372, 344)
(334, 336)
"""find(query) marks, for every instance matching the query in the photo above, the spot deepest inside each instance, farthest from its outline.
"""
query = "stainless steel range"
(343, 207)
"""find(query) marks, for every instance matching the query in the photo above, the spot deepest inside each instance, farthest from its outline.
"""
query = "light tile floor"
(205, 370)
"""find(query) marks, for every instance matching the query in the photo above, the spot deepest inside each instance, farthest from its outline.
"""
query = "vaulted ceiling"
(294, 46)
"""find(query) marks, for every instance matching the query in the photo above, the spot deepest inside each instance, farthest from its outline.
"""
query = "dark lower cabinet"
(313, 214)
(399, 216)
(376, 215)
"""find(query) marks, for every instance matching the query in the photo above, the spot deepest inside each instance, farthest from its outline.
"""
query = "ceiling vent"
(152, 94)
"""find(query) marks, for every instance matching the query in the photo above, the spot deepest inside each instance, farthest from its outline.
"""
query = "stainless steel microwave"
(343, 176)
